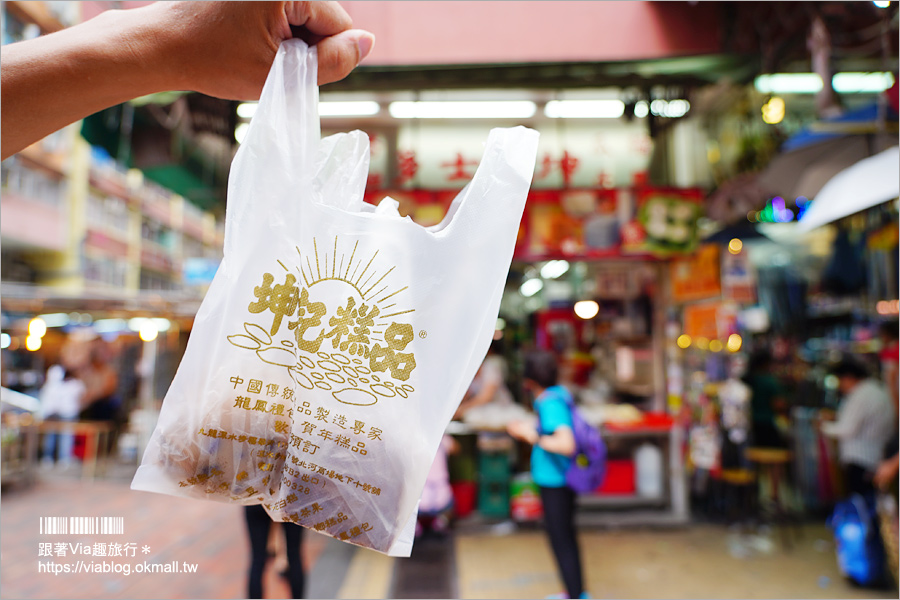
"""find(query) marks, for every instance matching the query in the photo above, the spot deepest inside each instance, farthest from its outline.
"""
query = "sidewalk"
(477, 561)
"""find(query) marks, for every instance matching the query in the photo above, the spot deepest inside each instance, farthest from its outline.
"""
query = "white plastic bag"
(337, 338)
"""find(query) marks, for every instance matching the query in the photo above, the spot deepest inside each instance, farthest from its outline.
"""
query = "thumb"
(339, 54)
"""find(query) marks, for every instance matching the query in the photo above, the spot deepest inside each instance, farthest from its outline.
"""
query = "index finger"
(319, 18)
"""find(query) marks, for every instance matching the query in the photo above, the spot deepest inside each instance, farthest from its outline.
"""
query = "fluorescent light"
(362, 108)
(672, 109)
(862, 83)
(810, 83)
(55, 319)
(488, 109)
(584, 109)
(246, 110)
(788, 83)
(531, 287)
(554, 269)
(240, 132)
(356, 108)
(110, 325)
(587, 309)
(162, 324)
(641, 109)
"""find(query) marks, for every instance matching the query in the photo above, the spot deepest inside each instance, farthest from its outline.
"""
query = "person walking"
(258, 525)
(553, 445)
(60, 401)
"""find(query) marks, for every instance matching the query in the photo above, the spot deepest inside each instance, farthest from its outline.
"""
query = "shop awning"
(867, 183)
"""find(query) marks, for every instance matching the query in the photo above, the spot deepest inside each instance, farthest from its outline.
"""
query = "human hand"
(885, 473)
(225, 49)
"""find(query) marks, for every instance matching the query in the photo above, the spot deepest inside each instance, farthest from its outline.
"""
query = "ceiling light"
(788, 83)
(881, 3)
(862, 83)
(110, 325)
(683, 341)
(246, 110)
(148, 331)
(489, 109)
(810, 83)
(641, 109)
(33, 343)
(587, 309)
(671, 109)
(55, 319)
(773, 111)
(584, 109)
(554, 269)
(531, 287)
(240, 132)
(5, 340)
(361, 108)
(37, 327)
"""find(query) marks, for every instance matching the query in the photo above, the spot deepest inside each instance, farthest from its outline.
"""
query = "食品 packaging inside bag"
(337, 338)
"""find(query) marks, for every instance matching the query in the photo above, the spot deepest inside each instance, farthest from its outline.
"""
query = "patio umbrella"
(867, 183)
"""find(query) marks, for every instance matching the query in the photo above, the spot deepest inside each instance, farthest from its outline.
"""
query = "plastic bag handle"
(499, 186)
(283, 134)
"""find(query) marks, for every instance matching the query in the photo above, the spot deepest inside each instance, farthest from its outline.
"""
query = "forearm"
(561, 441)
(57, 79)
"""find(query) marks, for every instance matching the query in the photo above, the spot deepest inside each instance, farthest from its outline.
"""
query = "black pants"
(258, 523)
(858, 480)
(559, 519)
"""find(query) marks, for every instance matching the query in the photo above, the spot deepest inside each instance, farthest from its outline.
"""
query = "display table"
(97, 439)
(671, 507)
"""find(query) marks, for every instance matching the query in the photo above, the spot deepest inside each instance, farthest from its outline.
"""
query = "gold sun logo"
(354, 333)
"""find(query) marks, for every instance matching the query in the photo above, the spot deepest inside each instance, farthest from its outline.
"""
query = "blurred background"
(684, 217)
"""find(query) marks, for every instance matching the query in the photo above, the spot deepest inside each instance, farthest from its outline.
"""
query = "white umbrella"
(868, 183)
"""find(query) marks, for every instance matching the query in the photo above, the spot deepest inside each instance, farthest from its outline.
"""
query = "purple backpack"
(587, 469)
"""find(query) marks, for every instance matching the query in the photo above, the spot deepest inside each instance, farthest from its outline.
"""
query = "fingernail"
(365, 43)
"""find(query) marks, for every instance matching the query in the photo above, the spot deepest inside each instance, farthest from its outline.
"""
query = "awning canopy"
(867, 183)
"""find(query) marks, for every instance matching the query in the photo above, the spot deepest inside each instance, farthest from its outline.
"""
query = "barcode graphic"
(82, 525)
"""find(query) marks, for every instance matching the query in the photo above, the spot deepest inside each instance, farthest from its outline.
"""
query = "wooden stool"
(774, 462)
(742, 483)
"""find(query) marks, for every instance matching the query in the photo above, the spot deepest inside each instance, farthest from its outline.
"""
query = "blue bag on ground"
(859, 551)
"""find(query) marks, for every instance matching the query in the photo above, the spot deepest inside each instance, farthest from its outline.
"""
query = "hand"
(222, 49)
(225, 49)
(886, 473)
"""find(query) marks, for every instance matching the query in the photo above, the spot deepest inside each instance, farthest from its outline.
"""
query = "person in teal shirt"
(553, 445)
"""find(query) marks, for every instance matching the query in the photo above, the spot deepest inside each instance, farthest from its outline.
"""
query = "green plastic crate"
(493, 499)
(494, 466)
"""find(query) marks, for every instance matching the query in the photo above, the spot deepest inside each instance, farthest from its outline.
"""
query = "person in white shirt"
(60, 401)
(865, 422)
